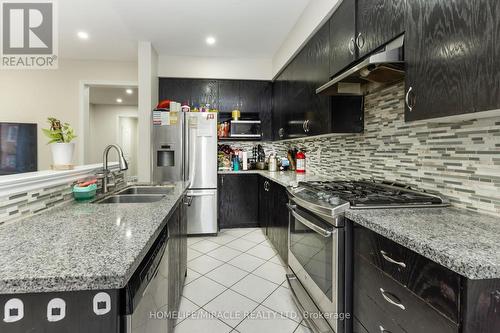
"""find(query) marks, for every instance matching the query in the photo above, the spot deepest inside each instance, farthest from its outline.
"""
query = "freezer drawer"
(202, 212)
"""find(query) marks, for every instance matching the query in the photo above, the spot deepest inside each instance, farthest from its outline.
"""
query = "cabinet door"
(238, 201)
(453, 57)
(229, 95)
(175, 89)
(342, 34)
(255, 97)
(205, 92)
(280, 218)
(279, 106)
(263, 204)
(316, 72)
(378, 22)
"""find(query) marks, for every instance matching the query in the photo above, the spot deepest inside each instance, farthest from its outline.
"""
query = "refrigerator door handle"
(185, 149)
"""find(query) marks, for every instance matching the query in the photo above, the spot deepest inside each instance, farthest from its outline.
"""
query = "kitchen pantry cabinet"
(177, 258)
(238, 200)
(453, 57)
(273, 215)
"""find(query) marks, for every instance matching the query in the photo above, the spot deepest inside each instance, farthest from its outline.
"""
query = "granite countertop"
(466, 242)
(80, 246)
(285, 178)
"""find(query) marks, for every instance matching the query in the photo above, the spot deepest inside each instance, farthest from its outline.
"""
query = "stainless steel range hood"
(384, 66)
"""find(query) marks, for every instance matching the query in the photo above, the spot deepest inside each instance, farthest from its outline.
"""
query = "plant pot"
(62, 153)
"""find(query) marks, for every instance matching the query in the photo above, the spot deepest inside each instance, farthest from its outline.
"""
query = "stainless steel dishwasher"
(146, 294)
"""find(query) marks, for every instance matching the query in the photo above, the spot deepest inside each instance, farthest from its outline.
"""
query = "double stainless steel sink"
(137, 194)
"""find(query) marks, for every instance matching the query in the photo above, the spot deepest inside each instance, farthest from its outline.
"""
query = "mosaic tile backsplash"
(459, 160)
(24, 204)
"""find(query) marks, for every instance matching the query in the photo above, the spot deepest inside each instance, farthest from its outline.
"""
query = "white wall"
(215, 67)
(103, 131)
(32, 96)
(316, 13)
(148, 99)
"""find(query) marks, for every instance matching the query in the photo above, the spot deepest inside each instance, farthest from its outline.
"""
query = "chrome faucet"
(121, 161)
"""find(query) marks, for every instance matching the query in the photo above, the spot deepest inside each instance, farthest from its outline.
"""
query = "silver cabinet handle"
(386, 295)
(383, 330)
(407, 99)
(281, 132)
(266, 186)
(392, 261)
(306, 124)
(323, 232)
(222, 181)
(352, 46)
(360, 41)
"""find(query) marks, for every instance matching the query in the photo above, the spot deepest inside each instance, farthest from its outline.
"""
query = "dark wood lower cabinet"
(481, 306)
(398, 290)
(177, 259)
(273, 214)
(238, 200)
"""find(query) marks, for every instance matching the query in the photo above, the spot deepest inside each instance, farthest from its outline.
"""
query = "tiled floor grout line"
(266, 242)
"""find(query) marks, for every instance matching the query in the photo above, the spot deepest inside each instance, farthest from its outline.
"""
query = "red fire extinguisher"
(301, 162)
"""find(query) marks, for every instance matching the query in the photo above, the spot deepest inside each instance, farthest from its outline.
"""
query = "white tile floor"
(236, 283)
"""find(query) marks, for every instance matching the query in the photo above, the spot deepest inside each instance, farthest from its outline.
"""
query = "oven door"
(316, 257)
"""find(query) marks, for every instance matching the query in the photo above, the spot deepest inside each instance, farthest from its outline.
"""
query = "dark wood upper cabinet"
(229, 95)
(453, 57)
(205, 92)
(175, 89)
(256, 99)
(378, 22)
(315, 73)
(342, 36)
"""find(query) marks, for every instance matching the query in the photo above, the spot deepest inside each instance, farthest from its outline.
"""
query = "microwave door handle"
(323, 232)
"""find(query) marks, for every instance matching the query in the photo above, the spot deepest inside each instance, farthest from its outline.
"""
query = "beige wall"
(103, 131)
(215, 67)
(32, 96)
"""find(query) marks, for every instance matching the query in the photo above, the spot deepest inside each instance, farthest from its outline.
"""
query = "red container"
(301, 162)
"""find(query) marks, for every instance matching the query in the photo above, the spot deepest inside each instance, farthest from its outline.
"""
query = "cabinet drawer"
(398, 303)
(432, 282)
(371, 316)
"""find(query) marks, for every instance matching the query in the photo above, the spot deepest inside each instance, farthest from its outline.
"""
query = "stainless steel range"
(320, 243)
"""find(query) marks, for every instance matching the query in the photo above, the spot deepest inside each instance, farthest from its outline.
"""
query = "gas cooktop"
(368, 194)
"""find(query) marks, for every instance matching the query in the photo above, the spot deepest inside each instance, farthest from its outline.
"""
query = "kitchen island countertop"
(81, 246)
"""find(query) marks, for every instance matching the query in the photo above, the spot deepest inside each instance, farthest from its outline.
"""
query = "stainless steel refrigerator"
(185, 148)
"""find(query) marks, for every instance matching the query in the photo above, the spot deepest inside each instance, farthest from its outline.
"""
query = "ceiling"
(242, 28)
(108, 95)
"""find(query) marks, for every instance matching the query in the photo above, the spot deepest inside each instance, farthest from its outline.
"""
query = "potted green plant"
(60, 135)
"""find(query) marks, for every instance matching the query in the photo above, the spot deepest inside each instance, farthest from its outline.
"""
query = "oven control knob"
(321, 194)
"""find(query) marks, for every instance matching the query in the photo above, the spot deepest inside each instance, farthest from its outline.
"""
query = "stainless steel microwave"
(246, 129)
